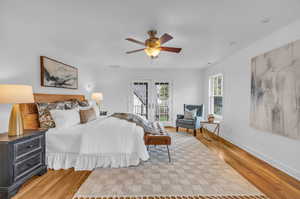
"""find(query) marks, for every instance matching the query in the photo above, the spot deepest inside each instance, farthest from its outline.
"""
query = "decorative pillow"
(190, 114)
(87, 115)
(45, 119)
(84, 103)
(69, 105)
(65, 118)
(57, 106)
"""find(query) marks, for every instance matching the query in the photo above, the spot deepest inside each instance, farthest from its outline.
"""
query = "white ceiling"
(93, 32)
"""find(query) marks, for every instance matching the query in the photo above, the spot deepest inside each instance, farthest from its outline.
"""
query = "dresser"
(21, 157)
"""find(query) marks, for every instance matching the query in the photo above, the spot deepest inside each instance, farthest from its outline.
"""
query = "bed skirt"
(89, 162)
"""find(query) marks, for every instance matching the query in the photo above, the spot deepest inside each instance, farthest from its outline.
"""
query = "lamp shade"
(15, 94)
(97, 96)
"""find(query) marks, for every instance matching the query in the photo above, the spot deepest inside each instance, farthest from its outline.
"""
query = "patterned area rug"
(195, 172)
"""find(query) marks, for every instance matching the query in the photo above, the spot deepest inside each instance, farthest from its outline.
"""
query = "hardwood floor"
(275, 184)
(61, 184)
(269, 180)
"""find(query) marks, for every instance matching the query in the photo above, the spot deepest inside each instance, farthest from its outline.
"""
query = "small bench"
(160, 137)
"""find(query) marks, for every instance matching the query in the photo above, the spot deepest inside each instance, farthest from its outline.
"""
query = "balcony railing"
(161, 112)
(140, 110)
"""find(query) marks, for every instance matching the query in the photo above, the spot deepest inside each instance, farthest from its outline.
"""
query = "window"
(216, 95)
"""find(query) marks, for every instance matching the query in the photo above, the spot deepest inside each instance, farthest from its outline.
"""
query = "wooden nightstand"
(21, 157)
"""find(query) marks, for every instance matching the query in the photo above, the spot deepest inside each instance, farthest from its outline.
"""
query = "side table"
(205, 124)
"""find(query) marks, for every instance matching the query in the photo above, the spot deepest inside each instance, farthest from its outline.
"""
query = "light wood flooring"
(275, 184)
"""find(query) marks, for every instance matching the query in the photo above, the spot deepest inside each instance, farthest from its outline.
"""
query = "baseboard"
(274, 163)
(287, 175)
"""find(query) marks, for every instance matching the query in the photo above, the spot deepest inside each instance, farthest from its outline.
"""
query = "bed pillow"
(87, 115)
(75, 103)
(71, 104)
(84, 103)
(65, 118)
(45, 118)
(190, 114)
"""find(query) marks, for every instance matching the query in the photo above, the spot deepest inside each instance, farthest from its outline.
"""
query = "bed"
(104, 142)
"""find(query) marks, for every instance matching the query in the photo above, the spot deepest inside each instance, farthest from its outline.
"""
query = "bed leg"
(169, 153)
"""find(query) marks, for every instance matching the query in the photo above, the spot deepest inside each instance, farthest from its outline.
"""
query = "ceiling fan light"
(152, 52)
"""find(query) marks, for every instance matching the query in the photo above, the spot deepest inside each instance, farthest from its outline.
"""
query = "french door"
(153, 100)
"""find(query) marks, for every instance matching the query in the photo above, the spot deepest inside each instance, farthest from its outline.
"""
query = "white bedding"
(105, 142)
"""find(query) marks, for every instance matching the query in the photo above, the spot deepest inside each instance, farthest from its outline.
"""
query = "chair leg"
(177, 128)
(195, 132)
(169, 153)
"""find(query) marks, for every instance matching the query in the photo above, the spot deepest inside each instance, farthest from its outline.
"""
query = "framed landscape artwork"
(57, 74)
(275, 91)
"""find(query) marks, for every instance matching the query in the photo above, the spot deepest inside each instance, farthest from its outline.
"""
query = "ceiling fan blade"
(165, 38)
(134, 51)
(135, 41)
(170, 49)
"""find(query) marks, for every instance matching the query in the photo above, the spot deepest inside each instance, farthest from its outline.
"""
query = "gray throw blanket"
(149, 127)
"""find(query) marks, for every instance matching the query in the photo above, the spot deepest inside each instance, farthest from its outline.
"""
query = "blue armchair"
(190, 123)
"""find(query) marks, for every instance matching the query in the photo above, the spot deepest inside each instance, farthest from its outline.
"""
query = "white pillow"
(65, 118)
(190, 114)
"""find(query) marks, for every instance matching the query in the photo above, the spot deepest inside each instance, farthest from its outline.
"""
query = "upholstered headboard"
(30, 112)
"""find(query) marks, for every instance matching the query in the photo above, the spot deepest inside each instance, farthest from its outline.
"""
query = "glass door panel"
(140, 98)
(162, 102)
(152, 100)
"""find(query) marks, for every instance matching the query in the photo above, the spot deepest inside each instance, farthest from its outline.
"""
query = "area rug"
(194, 172)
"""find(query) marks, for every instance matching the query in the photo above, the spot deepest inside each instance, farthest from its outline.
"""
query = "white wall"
(114, 83)
(25, 37)
(279, 151)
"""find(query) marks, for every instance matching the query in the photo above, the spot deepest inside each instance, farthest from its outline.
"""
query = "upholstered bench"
(160, 137)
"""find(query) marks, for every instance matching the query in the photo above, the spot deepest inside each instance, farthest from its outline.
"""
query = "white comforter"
(105, 142)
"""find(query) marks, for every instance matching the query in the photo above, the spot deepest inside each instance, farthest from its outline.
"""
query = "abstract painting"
(57, 74)
(275, 91)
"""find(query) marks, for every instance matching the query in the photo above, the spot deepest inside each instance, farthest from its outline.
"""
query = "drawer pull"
(30, 164)
(27, 146)
(30, 146)
(23, 167)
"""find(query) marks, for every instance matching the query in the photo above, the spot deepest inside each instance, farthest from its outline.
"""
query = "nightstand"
(21, 157)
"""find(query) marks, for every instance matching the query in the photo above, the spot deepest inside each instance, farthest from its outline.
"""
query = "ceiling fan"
(152, 46)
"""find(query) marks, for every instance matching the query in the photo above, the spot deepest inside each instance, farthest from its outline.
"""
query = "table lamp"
(16, 95)
(98, 97)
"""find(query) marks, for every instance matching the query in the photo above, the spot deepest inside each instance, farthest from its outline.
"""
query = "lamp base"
(99, 105)
(16, 127)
